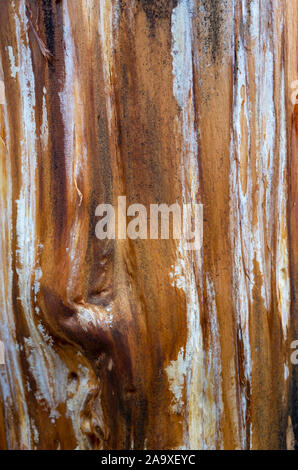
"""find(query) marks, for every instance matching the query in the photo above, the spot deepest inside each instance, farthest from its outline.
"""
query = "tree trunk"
(141, 344)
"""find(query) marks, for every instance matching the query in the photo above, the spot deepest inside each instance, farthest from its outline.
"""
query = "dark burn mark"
(209, 27)
(157, 10)
(52, 25)
(49, 25)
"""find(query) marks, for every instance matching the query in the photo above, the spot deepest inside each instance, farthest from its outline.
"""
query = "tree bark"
(140, 344)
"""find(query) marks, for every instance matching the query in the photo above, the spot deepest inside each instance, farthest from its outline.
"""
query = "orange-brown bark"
(123, 344)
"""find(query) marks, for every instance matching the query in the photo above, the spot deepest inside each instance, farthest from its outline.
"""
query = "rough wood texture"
(139, 344)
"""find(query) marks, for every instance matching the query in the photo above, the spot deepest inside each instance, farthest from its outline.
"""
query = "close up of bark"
(141, 344)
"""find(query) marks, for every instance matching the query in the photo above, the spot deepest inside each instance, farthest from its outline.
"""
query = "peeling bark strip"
(2, 92)
(2, 353)
(123, 344)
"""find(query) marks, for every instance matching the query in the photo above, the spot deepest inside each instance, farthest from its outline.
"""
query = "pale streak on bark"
(43, 361)
(253, 237)
(11, 380)
(200, 417)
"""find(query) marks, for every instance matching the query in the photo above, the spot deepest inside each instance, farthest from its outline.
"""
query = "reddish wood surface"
(125, 344)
